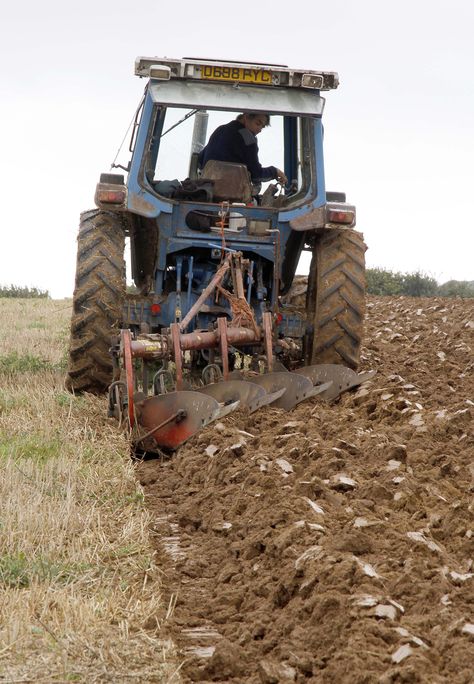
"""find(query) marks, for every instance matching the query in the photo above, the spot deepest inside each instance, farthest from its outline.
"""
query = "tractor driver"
(236, 142)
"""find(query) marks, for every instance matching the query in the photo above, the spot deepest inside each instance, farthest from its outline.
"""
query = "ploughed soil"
(333, 543)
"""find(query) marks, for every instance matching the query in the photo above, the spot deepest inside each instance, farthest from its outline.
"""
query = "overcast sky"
(399, 131)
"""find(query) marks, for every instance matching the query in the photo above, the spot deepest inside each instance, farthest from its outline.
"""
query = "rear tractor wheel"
(97, 300)
(335, 299)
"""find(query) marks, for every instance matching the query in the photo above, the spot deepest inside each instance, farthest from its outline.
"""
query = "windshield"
(175, 145)
(284, 149)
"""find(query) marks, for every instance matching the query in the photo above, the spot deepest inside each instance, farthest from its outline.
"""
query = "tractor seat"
(231, 182)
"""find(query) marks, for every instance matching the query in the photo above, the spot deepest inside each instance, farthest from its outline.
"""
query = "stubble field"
(78, 577)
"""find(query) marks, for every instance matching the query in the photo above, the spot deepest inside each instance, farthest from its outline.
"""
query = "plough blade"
(340, 377)
(233, 390)
(170, 419)
(224, 411)
(249, 394)
(297, 388)
(266, 399)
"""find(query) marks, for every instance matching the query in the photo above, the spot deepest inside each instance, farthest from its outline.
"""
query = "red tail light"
(346, 216)
(110, 196)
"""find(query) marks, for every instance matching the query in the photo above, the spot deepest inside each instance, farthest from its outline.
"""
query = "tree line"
(389, 283)
(23, 292)
(379, 282)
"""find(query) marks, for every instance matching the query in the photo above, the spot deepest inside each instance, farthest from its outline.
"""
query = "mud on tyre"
(97, 300)
(335, 299)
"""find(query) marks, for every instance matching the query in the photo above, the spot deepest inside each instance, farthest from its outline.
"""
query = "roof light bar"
(243, 73)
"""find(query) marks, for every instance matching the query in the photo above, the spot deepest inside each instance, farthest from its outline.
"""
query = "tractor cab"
(186, 100)
(185, 111)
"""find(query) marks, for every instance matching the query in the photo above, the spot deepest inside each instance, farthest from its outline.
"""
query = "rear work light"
(346, 216)
(312, 81)
(160, 72)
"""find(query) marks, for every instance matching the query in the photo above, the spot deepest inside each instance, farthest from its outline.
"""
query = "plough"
(164, 407)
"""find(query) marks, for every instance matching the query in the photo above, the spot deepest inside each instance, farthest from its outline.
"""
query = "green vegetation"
(19, 570)
(457, 288)
(30, 446)
(418, 284)
(23, 363)
(23, 292)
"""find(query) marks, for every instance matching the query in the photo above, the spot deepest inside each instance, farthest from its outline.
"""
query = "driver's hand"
(281, 178)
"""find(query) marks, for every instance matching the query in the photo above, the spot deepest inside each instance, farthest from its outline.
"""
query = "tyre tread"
(97, 300)
(335, 305)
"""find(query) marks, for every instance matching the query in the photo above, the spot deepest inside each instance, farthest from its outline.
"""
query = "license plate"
(227, 73)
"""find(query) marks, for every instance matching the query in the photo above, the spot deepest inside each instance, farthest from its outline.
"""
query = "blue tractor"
(213, 255)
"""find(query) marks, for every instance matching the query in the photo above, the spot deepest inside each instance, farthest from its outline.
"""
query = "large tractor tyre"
(97, 300)
(335, 301)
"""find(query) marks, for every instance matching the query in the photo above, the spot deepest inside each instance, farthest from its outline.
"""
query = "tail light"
(343, 213)
(110, 194)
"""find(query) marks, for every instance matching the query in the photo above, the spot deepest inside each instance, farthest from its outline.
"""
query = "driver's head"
(254, 121)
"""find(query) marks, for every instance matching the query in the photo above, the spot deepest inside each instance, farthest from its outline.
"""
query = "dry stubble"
(79, 589)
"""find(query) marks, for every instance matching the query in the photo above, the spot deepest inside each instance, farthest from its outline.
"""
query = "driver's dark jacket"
(233, 142)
